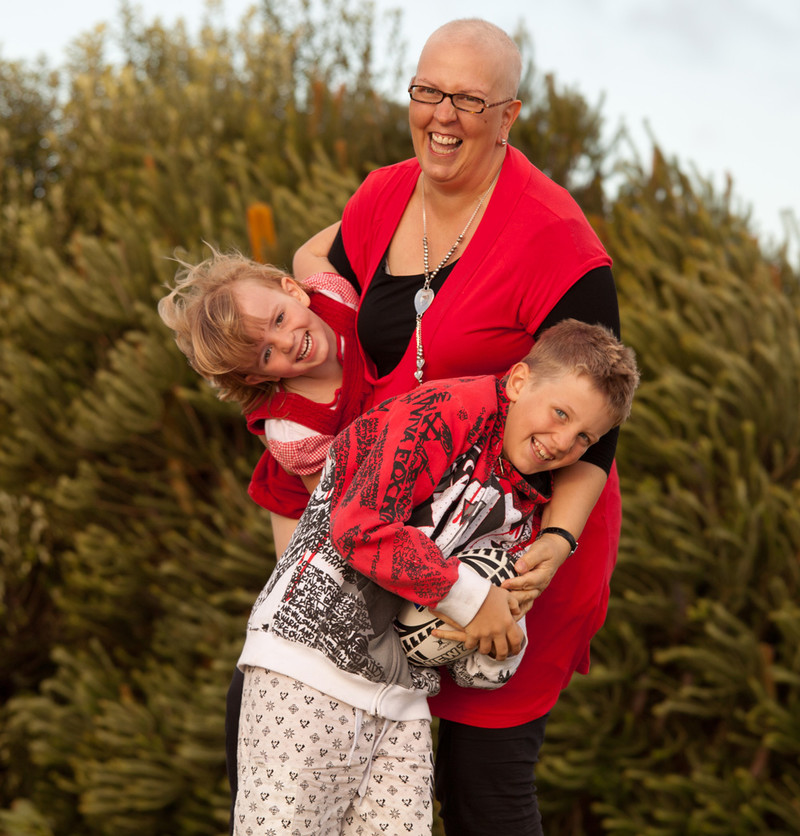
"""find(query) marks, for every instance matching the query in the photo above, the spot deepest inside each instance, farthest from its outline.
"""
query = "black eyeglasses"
(461, 101)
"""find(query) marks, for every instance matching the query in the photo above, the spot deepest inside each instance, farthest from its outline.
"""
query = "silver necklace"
(424, 296)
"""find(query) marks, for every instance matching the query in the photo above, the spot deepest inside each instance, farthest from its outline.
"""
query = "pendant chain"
(424, 296)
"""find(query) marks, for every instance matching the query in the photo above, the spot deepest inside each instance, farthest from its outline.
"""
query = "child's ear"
(518, 378)
(290, 286)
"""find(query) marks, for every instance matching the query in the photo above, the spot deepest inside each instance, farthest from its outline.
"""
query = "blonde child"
(286, 353)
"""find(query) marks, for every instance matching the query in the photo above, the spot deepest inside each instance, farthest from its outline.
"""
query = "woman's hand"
(536, 568)
(575, 491)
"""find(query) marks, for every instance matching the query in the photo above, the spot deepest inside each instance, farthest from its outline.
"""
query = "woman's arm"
(576, 489)
(312, 257)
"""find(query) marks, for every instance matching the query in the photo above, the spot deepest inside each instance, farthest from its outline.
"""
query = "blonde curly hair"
(209, 328)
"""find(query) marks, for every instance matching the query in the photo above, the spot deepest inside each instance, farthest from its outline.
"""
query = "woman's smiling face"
(454, 147)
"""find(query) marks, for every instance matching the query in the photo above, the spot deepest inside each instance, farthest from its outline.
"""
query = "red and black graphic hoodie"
(405, 487)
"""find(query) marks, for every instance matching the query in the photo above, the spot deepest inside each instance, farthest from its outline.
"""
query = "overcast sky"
(716, 81)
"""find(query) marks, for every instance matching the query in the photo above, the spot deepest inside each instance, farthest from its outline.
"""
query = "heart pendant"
(423, 299)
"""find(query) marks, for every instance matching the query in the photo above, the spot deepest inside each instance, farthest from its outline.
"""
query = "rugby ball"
(415, 623)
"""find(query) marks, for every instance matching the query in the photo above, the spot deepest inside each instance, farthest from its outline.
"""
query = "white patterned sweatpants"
(311, 765)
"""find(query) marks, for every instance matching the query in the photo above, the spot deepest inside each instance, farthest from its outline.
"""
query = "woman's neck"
(446, 194)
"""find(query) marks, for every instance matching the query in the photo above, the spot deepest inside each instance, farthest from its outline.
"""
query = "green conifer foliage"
(561, 133)
(131, 553)
(687, 723)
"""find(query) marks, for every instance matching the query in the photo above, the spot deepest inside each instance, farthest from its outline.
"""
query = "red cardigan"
(531, 246)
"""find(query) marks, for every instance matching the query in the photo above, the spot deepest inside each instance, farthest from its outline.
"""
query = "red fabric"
(389, 464)
(271, 486)
(560, 626)
(531, 246)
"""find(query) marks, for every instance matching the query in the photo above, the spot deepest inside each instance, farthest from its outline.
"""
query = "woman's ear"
(518, 378)
(293, 288)
(510, 114)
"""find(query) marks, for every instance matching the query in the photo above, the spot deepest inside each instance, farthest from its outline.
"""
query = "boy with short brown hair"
(405, 488)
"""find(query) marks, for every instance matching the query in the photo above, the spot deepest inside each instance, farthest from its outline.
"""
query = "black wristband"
(562, 532)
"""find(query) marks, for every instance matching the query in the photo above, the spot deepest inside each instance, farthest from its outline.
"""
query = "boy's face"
(291, 340)
(551, 422)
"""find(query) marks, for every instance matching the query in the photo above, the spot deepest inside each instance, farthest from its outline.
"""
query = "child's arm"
(297, 455)
(390, 462)
(480, 671)
(311, 481)
(282, 530)
(312, 257)
(386, 464)
(494, 629)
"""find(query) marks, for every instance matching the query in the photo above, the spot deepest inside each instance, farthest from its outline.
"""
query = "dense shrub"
(130, 551)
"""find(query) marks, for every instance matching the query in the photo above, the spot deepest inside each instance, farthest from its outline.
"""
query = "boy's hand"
(536, 568)
(449, 634)
(494, 630)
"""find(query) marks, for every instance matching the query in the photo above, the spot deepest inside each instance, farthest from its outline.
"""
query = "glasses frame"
(486, 105)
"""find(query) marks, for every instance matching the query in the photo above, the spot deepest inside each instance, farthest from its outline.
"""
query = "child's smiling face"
(291, 340)
(552, 422)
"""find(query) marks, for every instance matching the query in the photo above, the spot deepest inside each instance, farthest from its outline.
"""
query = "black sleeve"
(338, 258)
(593, 299)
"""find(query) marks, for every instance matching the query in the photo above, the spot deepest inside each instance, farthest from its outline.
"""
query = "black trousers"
(484, 779)
(233, 708)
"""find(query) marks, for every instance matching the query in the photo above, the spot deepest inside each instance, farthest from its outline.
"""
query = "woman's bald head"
(484, 36)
